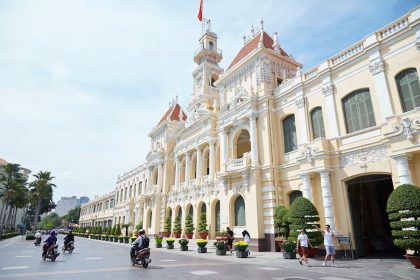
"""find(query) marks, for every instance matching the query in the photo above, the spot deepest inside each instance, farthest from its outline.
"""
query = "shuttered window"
(317, 123)
(289, 134)
(358, 110)
(239, 211)
(409, 89)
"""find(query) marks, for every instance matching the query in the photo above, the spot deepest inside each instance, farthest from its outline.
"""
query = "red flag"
(200, 12)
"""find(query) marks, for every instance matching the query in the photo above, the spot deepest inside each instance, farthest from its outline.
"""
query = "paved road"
(102, 260)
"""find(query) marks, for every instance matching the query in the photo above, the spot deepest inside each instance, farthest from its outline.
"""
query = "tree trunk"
(9, 217)
(5, 214)
(2, 209)
(37, 209)
(14, 215)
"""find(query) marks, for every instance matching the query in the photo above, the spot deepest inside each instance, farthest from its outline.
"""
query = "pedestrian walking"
(303, 243)
(247, 239)
(230, 239)
(329, 238)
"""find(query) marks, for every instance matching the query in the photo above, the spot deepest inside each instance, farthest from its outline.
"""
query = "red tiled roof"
(252, 45)
(173, 114)
(3, 162)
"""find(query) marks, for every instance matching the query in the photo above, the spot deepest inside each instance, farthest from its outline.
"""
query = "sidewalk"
(369, 268)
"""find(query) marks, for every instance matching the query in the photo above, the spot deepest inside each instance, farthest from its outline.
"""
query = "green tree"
(202, 224)
(73, 215)
(51, 221)
(168, 224)
(42, 194)
(189, 226)
(139, 225)
(177, 224)
(281, 220)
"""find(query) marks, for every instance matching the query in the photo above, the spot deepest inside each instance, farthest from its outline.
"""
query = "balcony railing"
(239, 163)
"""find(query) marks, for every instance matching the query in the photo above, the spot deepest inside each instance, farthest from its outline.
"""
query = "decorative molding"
(407, 127)
(361, 157)
(328, 90)
(308, 154)
(376, 67)
(300, 102)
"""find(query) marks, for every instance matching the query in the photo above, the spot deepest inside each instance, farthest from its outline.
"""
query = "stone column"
(403, 169)
(327, 198)
(159, 178)
(331, 110)
(376, 67)
(212, 158)
(187, 167)
(198, 164)
(307, 187)
(149, 180)
(223, 150)
(177, 170)
(301, 121)
(254, 141)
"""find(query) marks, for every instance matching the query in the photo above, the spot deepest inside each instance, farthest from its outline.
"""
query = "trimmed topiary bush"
(303, 214)
(281, 220)
(189, 226)
(168, 224)
(202, 224)
(403, 209)
(177, 225)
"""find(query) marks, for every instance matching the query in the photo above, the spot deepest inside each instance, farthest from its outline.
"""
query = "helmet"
(142, 231)
(53, 233)
(70, 231)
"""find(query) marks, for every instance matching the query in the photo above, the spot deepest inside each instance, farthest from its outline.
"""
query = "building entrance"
(368, 197)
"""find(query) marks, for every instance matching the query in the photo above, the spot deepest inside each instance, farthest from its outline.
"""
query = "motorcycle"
(142, 258)
(37, 241)
(52, 253)
(69, 247)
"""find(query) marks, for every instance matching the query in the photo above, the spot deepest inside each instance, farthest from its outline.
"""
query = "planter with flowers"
(289, 247)
(220, 247)
(126, 239)
(221, 235)
(121, 239)
(133, 238)
(241, 249)
(158, 240)
(201, 246)
(170, 243)
(184, 244)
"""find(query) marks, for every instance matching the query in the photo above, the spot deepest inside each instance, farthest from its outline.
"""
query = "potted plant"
(184, 244)
(167, 227)
(403, 212)
(202, 226)
(221, 235)
(189, 227)
(289, 247)
(121, 239)
(126, 239)
(281, 222)
(116, 238)
(241, 249)
(133, 238)
(177, 227)
(220, 247)
(201, 245)
(303, 215)
(158, 240)
(170, 243)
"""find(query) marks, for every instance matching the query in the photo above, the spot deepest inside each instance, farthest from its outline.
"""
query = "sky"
(82, 82)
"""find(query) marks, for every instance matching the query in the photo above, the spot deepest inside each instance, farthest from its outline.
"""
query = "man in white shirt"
(303, 242)
(328, 244)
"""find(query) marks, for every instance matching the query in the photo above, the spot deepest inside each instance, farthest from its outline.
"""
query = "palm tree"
(12, 190)
(41, 192)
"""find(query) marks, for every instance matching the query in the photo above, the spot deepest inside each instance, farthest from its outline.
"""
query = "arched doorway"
(293, 195)
(367, 196)
(217, 216)
(243, 144)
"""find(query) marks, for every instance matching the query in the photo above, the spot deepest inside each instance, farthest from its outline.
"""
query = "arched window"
(243, 144)
(211, 45)
(140, 186)
(317, 123)
(358, 110)
(130, 193)
(293, 195)
(289, 134)
(409, 89)
(169, 212)
(191, 211)
(239, 211)
(217, 216)
(125, 194)
(203, 208)
(149, 224)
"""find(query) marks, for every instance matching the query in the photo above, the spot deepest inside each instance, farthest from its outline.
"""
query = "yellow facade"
(238, 142)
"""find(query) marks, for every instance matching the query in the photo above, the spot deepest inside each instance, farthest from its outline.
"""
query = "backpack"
(145, 243)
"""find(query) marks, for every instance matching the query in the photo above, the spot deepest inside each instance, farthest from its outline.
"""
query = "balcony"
(239, 163)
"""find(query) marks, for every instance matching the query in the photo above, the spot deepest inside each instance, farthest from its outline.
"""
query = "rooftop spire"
(276, 44)
(260, 43)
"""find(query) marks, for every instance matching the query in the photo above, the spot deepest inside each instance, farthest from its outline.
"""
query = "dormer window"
(211, 46)
(279, 81)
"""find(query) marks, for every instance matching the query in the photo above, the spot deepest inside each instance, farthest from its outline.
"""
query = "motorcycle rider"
(69, 237)
(38, 237)
(137, 245)
(51, 240)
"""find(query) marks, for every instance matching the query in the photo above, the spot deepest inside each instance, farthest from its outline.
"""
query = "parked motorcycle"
(142, 258)
(69, 247)
(37, 241)
(52, 253)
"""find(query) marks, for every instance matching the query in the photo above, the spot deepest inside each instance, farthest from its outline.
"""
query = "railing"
(353, 50)
(238, 163)
(393, 27)
(218, 51)
(311, 73)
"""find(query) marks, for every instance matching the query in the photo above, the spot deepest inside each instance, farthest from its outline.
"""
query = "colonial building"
(262, 132)
(98, 212)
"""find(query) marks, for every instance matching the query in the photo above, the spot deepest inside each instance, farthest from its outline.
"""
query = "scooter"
(52, 253)
(69, 247)
(142, 258)
(37, 241)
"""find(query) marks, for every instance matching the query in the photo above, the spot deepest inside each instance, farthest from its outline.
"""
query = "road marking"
(23, 256)
(270, 268)
(203, 272)
(167, 260)
(335, 278)
(15, 267)
(94, 258)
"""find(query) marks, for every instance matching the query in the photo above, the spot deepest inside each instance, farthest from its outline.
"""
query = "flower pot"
(414, 260)
(203, 235)
(189, 235)
(177, 234)
(169, 246)
(224, 238)
(166, 234)
(278, 245)
(183, 248)
(158, 245)
(202, 250)
(242, 254)
(221, 252)
(289, 255)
